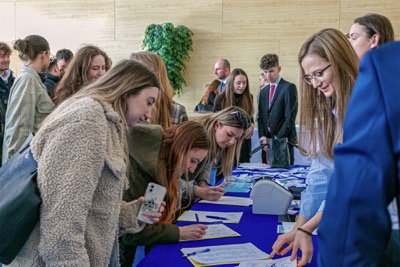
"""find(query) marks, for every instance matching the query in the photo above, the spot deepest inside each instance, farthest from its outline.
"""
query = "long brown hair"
(161, 112)
(319, 127)
(231, 116)
(126, 78)
(176, 143)
(245, 102)
(213, 87)
(77, 73)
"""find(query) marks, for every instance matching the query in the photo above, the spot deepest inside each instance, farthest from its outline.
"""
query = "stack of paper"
(228, 200)
(216, 231)
(225, 254)
(238, 187)
(211, 216)
(282, 262)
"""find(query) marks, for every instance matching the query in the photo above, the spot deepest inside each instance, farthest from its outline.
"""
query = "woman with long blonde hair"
(166, 112)
(82, 154)
(329, 67)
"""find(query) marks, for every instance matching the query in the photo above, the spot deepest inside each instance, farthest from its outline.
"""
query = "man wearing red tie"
(277, 106)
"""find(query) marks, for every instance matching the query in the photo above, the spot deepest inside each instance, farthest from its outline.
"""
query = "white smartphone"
(153, 197)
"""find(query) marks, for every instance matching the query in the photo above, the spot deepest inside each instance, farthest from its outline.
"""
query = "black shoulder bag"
(19, 202)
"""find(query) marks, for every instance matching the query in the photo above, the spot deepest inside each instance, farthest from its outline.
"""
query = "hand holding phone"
(153, 197)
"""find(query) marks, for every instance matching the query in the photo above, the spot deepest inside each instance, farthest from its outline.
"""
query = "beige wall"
(241, 31)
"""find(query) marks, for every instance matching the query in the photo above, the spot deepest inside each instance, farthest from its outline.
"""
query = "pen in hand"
(197, 218)
(196, 252)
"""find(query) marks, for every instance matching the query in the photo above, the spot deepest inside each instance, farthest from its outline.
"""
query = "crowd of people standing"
(103, 131)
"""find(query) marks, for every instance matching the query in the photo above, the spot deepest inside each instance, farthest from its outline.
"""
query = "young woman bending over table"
(82, 156)
(162, 157)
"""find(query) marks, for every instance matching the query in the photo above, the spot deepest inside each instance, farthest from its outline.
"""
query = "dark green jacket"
(144, 145)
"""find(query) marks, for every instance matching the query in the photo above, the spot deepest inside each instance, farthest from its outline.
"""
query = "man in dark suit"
(222, 70)
(277, 106)
(356, 229)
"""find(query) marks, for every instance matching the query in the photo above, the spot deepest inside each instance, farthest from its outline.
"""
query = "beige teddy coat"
(81, 177)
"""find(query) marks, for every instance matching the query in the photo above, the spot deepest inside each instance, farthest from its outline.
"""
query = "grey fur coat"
(81, 177)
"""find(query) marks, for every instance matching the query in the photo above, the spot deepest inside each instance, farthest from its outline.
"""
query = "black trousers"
(127, 253)
(245, 151)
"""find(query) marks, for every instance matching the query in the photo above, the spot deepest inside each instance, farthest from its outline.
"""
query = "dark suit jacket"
(281, 115)
(210, 103)
(356, 227)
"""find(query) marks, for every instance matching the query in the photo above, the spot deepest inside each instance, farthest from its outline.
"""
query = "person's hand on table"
(303, 242)
(249, 132)
(155, 216)
(193, 231)
(212, 193)
(287, 238)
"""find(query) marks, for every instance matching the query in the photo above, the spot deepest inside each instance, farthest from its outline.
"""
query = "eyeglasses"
(319, 76)
(241, 117)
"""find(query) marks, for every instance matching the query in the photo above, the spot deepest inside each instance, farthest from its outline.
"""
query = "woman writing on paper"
(81, 151)
(237, 93)
(329, 67)
(162, 157)
(226, 131)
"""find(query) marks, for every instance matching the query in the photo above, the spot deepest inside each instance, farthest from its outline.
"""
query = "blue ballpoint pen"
(196, 252)
(197, 217)
(216, 217)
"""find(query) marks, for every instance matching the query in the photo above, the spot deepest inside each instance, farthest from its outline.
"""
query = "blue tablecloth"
(261, 230)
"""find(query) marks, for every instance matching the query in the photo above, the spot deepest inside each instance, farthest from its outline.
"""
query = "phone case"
(155, 193)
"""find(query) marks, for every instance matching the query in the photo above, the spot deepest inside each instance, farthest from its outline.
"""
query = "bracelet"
(304, 231)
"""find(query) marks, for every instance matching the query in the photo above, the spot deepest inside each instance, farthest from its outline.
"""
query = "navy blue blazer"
(356, 227)
(280, 117)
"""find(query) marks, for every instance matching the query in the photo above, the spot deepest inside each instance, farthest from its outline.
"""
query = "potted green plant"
(173, 44)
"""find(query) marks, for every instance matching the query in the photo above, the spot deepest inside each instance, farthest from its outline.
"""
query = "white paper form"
(225, 217)
(252, 166)
(228, 200)
(282, 262)
(225, 254)
(216, 231)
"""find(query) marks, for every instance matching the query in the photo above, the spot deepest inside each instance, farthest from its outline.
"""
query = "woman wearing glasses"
(329, 67)
(29, 102)
(370, 31)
